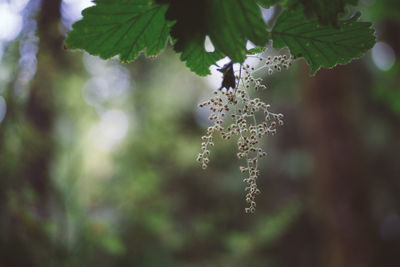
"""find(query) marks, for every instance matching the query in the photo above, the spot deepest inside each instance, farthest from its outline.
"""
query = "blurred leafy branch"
(311, 29)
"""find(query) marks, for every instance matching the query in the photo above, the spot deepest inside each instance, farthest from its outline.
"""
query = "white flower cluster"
(235, 114)
(273, 63)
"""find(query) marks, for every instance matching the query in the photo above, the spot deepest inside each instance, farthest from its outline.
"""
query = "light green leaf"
(113, 27)
(322, 46)
(255, 50)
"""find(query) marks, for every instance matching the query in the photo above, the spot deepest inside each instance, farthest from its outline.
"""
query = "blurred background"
(97, 158)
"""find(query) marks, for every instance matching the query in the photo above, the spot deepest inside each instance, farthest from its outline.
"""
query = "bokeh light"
(11, 21)
(111, 129)
(383, 56)
(71, 10)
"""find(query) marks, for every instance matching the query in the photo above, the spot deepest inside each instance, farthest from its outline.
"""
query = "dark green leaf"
(232, 23)
(197, 58)
(113, 27)
(322, 46)
(326, 10)
(228, 23)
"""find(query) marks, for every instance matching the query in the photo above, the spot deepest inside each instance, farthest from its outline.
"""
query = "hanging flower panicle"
(235, 114)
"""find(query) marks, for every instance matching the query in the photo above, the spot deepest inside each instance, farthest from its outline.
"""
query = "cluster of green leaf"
(322, 46)
(310, 28)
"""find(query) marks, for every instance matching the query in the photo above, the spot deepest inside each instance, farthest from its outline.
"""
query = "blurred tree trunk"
(28, 211)
(339, 183)
(390, 33)
(40, 109)
(389, 247)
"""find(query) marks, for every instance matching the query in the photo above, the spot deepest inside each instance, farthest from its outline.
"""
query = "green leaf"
(127, 27)
(322, 46)
(124, 27)
(228, 23)
(327, 11)
(197, 58)
(255, 50)
(232, 23)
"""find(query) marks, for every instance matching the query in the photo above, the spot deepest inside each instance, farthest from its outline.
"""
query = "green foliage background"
(144, 201)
